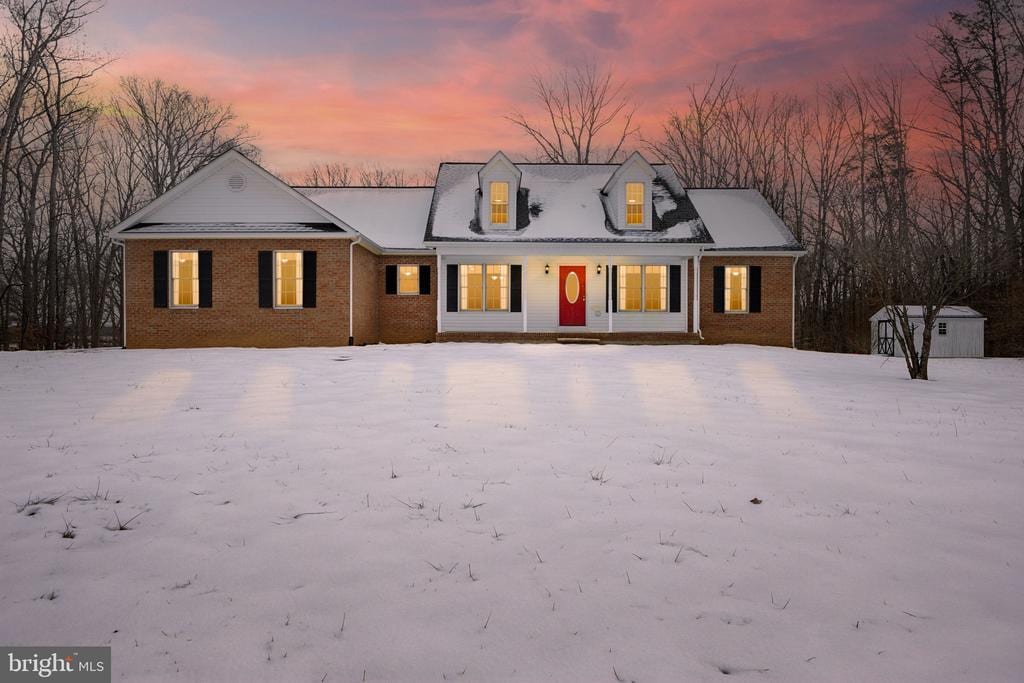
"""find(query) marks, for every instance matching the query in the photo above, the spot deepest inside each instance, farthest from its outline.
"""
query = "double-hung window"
(185, 279)
(736, 289)
(408, 279)
(634, 203)
(483, 287)
(643, 288)
(288, 279)
(499, 203)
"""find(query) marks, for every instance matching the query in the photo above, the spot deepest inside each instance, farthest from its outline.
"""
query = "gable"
(217, 199)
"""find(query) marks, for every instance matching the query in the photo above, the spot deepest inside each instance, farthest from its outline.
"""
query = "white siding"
(211, 201)
(964, 338)
(541, 295)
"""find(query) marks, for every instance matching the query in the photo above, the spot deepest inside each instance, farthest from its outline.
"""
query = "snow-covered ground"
(506, 512)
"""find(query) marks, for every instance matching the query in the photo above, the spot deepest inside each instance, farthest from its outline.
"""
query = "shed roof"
(915, 311)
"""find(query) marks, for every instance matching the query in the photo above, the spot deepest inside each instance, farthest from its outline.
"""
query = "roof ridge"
(362, 187)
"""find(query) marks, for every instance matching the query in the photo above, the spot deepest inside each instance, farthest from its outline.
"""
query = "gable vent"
(236, 182)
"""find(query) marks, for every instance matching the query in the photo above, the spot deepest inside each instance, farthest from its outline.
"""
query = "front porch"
(546, 296)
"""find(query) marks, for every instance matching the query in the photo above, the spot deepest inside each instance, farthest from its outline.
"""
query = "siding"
(541, 296)
(964, 338)
(262, 201)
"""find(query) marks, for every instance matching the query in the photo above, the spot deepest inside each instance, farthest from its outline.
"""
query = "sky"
(408, 84)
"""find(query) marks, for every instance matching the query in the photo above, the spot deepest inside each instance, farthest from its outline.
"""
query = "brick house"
(495, 251)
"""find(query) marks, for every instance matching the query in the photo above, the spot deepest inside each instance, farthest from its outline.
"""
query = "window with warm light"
(655, 288)
(497, 288)
(631, 288)
(288, 279)
(634, 203)
(408, 279)
(471, 288)
(185, 279)
(499, 203)
(736, 289)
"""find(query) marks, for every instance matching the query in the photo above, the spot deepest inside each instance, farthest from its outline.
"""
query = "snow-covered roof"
(558, 203)
(392, 217)
(944, 312)
(229, 228)
(741, 219)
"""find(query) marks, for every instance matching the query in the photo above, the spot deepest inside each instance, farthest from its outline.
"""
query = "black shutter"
(755, 289)
(309, 279)
(516, 289)
(424, 279)
(266, 261)
(452, 287)
(391, 279)
(615, 289)
(718, 289)
(160, 263)
(675, 291)
(206, 279)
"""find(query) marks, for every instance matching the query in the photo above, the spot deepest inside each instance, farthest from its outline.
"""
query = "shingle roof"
(563, 203)
(741, 219)
(392, 217)
(944, 312)
(231, 228)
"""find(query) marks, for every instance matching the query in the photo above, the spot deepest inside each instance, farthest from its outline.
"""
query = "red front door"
(572, 297)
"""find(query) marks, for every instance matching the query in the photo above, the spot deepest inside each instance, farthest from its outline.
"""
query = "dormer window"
(634, 204)
(499, 203)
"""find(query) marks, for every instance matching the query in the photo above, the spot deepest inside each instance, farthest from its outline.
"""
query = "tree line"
(896, 199)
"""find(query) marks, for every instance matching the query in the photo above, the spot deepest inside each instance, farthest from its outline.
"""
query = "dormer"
(499, 187)
(629, 193)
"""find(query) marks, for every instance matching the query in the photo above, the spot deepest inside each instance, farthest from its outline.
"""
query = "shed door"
(886, 341)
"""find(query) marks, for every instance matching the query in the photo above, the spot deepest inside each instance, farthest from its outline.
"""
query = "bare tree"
(587, 116)
(340, 174)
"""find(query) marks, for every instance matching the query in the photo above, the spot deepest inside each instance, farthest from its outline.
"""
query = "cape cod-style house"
(495, 251)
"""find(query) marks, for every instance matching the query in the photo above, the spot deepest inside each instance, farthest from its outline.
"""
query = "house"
(495, 251)
(959, 332)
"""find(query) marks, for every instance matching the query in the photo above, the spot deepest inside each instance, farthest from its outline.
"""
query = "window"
(736, 289)
(631, 284)
(942, 329)
(408, 279)
(185, 279)
(643, 288)
(499, 203)
(288, 279)
(634, 203)
(497, 288)
(483, 287)
(655, 288)
(471, 288)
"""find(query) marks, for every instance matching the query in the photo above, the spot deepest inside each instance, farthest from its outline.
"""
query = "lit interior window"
(634, 203)
(499, 203)
(631, 283)
(471, 288)
(289, 278)
(736, 288)
(655, 288)
(408, 279)
(497, 287)
(185, 278)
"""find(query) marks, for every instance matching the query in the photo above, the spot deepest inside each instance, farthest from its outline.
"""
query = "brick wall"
(406, 318)
(366, 304)
(236, 318)
(773, 326)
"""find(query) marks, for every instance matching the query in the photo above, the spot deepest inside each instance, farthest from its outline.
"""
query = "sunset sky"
(410, 83)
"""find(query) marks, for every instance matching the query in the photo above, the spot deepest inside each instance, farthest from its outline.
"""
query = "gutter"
(124, 295)
(696, 294)
(351, 289)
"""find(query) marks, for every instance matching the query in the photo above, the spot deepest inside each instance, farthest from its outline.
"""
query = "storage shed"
(959, 332)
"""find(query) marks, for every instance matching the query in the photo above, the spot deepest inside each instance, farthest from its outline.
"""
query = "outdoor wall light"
(547, 269)
(598, 268)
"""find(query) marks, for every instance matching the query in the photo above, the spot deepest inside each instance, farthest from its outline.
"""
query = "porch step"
(577, 340)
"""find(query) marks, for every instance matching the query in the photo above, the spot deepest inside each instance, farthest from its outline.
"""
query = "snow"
(393, 218)
(569, 196)
(529, 532)
(741, 219)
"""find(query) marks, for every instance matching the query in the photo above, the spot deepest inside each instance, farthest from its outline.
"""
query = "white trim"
(523, 272)
(696, 296)
(170, 279)
(124, 296)
(792, 305)
(442, 286)
(726, 253)
(520, 248)
(122, 237)
(398, 284)
(608, 293)
(643, 287)
(301, 277)
(745, 289)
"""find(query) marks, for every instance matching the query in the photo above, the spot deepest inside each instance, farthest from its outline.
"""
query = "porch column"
(608, 293)
(442, 285)
(696, 293)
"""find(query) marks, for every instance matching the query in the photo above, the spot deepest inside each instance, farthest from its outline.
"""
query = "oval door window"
(572, 287)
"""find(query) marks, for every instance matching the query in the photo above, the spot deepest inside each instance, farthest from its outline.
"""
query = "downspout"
(351, 288)
(696, 294)
(124, 295)
(792, 305)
